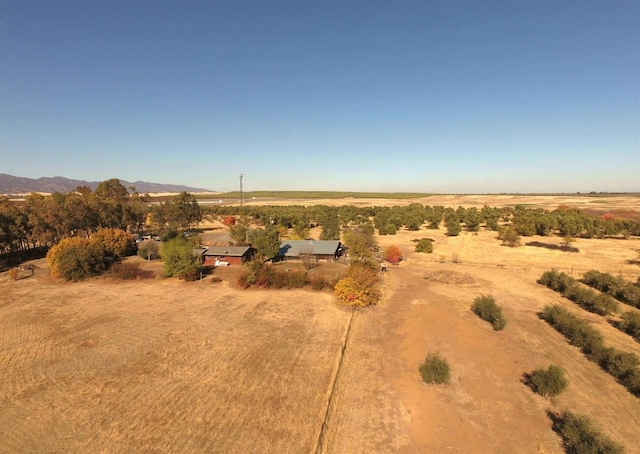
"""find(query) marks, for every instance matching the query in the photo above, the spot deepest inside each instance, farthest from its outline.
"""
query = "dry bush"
(129, 271)
(359, 287)
(76, 259)
(115, 242)
(393, 254)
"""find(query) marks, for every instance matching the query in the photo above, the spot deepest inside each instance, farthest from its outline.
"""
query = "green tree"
(547, 382)
(179, 260)
(424, 245)
(186, 210)
(509, 236)
(266, 242)
(360, 243)
(452, 223)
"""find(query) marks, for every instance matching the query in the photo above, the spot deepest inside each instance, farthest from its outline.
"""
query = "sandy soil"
(167, 366)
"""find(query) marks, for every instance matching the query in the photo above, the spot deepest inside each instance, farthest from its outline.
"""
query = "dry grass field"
(160, 365)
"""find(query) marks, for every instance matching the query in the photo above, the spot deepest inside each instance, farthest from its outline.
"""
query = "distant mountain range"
(19, 185)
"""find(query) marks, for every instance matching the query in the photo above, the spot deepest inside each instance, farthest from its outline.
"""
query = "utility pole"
(241, 189)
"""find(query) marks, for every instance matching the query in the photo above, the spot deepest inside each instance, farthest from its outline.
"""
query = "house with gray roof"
(318, 249)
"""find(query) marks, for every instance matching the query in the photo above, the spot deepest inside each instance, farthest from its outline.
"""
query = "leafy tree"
(360, 242)
(472, 219)
(115, 242)
(186, 210)
(149, 250)
(330, 226)
(76, 259)
(240, 232)
(301, 229)
(453, 225)
(266, 242)
(179, 260)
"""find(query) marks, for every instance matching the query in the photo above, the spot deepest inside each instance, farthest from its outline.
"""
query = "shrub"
(630, 324)
(149, 250)
(359, 286)
(581, 437)
(229, 221)
(129, 271)
(453, 226)
(586, 298)
(621, 365)
(393, 254)
(617, 287)
(486, 308)
(509, 236)
(425, 246)
(76, 259)
(318, 282)
(547, 382)
(435, 370)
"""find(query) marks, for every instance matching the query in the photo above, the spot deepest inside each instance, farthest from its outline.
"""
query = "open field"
(548, 201)
(167, 366)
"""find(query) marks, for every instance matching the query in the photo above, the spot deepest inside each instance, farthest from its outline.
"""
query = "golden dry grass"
(167, 366)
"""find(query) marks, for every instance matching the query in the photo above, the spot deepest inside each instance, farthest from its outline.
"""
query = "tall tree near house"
(187, 210)
(265, 241)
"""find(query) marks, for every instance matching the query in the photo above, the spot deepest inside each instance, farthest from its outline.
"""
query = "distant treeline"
(42, 221)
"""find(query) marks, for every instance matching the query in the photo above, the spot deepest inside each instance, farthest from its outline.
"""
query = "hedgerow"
(617, 287)
(623, 366)
(486, 308)
(571, 289)
(630, 324)
(580, 436)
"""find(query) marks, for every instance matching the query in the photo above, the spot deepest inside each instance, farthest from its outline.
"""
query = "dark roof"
(294, 248)
(227, 251)
(198, 251)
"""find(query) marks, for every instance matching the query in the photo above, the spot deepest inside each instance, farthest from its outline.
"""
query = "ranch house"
(318, 249)
(233, 255)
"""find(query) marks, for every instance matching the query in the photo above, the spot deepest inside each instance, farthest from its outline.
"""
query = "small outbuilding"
(317, 249)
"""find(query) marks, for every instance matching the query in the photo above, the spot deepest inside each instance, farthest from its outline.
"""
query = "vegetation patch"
(623, 366)
(547, 382)
(486, 308)
(570, 288)
(619, 288)
(630, 324)
(435, 370)
(424, 245)
(359, 286)
(580, 436)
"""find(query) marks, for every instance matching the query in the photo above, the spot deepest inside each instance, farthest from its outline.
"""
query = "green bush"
(581, 437)
(486, 308)
(571, 289)
(617, 287)
(149, 250)
(435, 370)
(630, 324)
(547, 382)
(425, 246)
(621, 365)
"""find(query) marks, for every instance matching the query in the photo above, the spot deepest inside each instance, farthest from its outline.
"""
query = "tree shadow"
(554, 247)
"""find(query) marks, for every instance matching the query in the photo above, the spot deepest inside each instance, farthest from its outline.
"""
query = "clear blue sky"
(430, 96)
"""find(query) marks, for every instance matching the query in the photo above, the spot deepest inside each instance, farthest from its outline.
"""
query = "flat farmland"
(165, 366)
